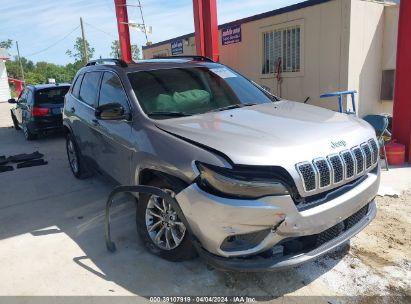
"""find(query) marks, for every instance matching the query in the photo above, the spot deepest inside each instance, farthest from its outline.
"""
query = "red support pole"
(402, 102)
(206, 28)
(123, 30)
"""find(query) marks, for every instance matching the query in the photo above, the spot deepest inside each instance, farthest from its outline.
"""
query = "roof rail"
(194, 57)
(118, 62)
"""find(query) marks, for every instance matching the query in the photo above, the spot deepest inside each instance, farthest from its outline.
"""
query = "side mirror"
(110, 111)
(12, 100)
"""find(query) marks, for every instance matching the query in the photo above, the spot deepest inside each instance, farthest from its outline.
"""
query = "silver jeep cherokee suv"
(263, 183)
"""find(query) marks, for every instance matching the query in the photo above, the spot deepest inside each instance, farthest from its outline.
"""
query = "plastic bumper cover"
(259, 263)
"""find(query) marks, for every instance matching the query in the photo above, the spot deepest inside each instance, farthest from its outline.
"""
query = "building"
(4, 83)
(318, 46)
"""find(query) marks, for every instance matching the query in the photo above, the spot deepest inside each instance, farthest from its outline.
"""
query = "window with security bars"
(282, 46)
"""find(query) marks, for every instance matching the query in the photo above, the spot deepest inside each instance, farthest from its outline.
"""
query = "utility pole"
(85, 55)
(21, 65)
(142, 18)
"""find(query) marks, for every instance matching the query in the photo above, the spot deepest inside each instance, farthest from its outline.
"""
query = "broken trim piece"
(146, 190)
(32, 163)
(25, 157)
(6, 168)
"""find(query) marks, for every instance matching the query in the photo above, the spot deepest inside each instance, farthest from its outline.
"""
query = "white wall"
(4, 84)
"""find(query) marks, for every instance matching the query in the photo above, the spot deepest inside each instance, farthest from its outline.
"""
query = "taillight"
(37, 111)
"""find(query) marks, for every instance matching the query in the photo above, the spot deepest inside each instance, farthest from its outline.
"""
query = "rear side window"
(76, 87)
(89, 88)
(112, 91)
(23, 96)
(29, 97)
(51, 96)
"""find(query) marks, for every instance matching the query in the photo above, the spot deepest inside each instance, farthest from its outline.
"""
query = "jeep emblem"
(336, 144)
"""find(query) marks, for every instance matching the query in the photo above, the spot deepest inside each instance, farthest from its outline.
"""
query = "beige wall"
(344, 45)
(165, 49)
(371, 48)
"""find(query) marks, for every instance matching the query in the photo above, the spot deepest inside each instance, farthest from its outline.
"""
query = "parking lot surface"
(52, 243)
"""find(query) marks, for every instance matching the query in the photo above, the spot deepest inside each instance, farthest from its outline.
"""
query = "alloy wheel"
(72, 156)
(163, 225)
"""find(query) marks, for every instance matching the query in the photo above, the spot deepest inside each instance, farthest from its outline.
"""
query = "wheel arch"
(146, 175)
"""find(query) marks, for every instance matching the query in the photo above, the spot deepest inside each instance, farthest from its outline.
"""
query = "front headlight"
(237, 183)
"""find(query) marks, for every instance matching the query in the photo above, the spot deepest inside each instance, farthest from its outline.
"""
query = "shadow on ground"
(47, 201)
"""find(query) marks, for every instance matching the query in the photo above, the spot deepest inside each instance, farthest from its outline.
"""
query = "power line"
(100, 30)
(55, 43)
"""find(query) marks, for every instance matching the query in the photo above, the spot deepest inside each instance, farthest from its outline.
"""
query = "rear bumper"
(259, 263)
(46, 124)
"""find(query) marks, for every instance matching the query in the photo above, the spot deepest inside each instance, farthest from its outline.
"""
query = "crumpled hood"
(281, 133)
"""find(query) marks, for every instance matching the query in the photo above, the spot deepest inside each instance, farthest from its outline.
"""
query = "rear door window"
(51, 96)
(76, 87)
(89, 88)
(112, 91)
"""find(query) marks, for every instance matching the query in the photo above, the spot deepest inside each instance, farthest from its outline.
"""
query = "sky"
(45, 29)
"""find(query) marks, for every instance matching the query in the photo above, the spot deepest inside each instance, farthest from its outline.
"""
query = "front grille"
(359, 160)
(348, 163)
(307, 173)
(337, 168)
(325, 172)
(367, 153)
(375, 150)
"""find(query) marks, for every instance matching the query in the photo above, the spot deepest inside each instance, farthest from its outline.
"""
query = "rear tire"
(181, 250)
(15, 122)
(76, 162)
(28, 134)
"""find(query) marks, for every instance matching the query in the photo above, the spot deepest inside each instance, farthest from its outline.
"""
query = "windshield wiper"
(234, 106)
(165, 113)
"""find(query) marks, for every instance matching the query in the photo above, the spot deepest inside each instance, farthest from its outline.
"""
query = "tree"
(78, 50)
(6, 44)
(116, 52)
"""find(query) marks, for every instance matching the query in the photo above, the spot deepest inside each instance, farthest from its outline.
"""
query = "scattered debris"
(388, 191)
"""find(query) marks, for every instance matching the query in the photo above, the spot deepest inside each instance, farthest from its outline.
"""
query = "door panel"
(113, 136)
(84, 114)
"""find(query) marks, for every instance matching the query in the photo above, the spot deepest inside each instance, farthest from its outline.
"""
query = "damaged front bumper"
(230, 230)
(278, 262)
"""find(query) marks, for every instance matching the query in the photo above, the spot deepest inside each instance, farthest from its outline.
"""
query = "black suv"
(39, 109)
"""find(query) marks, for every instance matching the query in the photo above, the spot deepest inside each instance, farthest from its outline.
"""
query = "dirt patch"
(385, 245)
(387, 240)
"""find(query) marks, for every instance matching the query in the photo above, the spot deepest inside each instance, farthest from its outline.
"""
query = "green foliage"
(116, 52)
(6, 44)
(40, 72)
(78, 50)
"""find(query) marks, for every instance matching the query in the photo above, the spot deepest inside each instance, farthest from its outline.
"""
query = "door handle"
(95, 122)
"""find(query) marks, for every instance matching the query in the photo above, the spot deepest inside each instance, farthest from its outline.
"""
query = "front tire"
(160, 229)
(74, 157)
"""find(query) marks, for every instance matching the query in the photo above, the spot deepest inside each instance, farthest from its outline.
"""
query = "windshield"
(189, 91)
(51, 96)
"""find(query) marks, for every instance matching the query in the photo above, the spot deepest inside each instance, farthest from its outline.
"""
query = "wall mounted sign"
(177, 47)
(231, 34)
